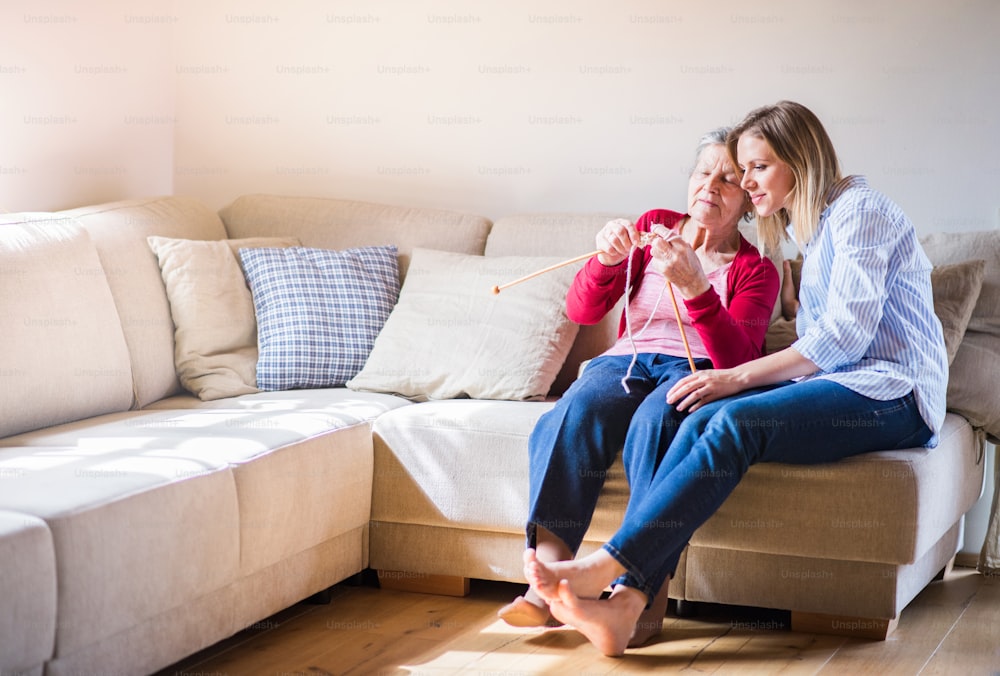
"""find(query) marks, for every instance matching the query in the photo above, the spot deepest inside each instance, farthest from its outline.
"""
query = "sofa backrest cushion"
(975, 371)
(63, 355)
(565, 235)
(120, 229)
(338, 224)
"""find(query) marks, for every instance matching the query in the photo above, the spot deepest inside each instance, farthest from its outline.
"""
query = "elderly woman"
(619, 402)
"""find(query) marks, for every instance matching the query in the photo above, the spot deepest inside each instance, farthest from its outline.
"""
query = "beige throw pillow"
(956, 289)
(215, 331)
(450, 336)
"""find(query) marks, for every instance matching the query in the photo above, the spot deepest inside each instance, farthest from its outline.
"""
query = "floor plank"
(952, 627)
(922, 627)
(974, 641)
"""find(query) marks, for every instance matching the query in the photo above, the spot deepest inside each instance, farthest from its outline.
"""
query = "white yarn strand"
(628, 319)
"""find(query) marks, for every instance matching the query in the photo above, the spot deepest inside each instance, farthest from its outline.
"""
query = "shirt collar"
(841, 186)
(838, 189)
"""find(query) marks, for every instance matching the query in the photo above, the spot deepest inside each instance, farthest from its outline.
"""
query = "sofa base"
(183, 631)
(423, 583)
(854, 598)
(843, 625)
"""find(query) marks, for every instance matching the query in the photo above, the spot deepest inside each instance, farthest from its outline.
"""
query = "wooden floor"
(952, 627)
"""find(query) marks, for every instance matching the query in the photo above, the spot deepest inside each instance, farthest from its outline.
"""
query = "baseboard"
(967, 560)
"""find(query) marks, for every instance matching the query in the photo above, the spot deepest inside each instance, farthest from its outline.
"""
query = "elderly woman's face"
(715, 197)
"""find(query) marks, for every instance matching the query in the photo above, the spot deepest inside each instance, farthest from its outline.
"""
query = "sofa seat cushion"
(133, 533)
(28, 589)
(887, 506)
(330, 400)
(300, 458)
(64, 355)
(429, 460)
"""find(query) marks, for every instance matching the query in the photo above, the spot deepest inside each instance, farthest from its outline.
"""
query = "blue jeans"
(574, 444)
(809, 422)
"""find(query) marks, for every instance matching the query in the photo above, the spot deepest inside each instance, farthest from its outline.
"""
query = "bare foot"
(588, 577)
(650, 622)
(608, 624)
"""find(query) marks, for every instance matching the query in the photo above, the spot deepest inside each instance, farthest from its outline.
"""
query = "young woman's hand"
(694, 391)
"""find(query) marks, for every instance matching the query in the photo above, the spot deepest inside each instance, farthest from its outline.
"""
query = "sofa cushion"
(343, 224)
(840, 509)
(318, 311)
(564, 235)
(27, 587)
(134, 534)
(451, 336)
(64, 356)
(215, 331)
(119, 230)
(290, 456)
(422, 454)
(956, 289)
(427, 457)
(975, 370)
(332, 404)
(463, 464)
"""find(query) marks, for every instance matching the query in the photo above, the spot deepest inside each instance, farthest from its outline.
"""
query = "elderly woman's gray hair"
(716, 137)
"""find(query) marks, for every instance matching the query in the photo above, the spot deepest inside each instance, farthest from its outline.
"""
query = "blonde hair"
(797, 138)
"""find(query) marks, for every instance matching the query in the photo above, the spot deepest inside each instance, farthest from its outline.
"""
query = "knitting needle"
(501, 287)
(677, 314)
(645, 241)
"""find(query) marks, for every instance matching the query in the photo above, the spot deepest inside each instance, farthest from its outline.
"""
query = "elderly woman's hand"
(676, 260)
(615, 240)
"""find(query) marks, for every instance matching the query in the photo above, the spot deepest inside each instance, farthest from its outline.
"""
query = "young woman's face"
(766, 179)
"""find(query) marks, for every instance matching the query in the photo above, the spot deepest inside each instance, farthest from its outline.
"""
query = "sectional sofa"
(140, 523)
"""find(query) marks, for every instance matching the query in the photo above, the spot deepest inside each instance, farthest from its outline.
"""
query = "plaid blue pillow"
(318, 311)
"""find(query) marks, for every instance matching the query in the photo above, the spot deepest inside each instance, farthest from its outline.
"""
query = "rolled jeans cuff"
(631, 578)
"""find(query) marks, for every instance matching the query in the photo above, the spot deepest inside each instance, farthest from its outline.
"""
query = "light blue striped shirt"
(866, 313)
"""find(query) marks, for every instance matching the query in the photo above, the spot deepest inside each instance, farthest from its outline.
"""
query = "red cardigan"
(731, 335)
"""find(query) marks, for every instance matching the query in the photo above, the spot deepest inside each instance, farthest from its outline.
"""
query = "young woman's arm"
(694, 391)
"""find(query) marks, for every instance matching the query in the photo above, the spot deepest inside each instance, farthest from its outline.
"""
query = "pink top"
(662, 334)
(730, 332)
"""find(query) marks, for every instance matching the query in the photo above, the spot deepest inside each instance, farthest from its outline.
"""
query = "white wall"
(86, 103)
(497, 107)
(488, 106)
